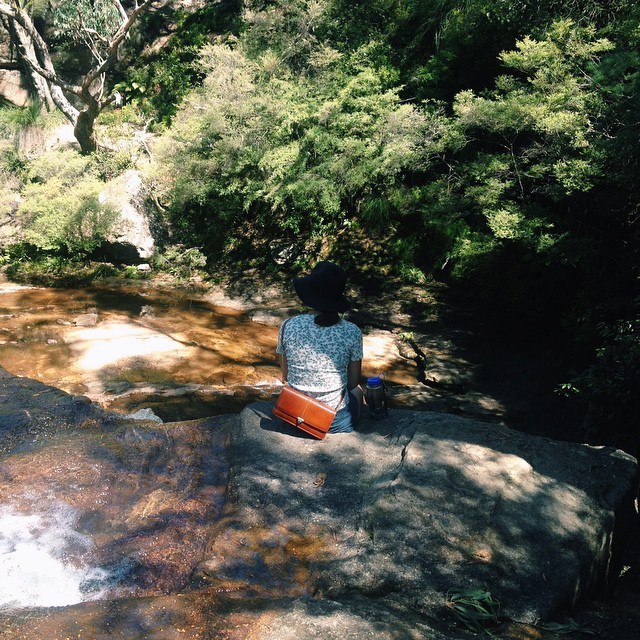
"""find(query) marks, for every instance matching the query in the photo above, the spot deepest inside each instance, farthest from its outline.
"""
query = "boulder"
(361, 535)
(12, 88)
(131, 240)
(410, 509)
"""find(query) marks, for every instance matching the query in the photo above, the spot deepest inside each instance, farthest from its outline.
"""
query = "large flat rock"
(409, 509)
(358, 536)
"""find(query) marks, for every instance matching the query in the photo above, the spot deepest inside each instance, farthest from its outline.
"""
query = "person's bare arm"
(354, 371)
(284, 369)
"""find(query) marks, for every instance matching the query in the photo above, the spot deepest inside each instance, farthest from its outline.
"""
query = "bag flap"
(304, 412)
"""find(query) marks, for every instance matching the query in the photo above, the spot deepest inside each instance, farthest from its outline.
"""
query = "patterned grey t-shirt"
(318, 357)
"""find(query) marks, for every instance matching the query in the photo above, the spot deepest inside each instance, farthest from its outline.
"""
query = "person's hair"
(327, 318)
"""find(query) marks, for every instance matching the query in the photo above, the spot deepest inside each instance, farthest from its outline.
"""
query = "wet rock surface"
(360, 535)
(139, 496)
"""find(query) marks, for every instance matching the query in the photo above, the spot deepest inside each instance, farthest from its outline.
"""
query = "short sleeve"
(280, 346)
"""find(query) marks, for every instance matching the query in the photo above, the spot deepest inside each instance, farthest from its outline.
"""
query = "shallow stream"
(127, 350)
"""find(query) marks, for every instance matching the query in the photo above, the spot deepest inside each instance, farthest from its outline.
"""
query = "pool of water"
(127, 349)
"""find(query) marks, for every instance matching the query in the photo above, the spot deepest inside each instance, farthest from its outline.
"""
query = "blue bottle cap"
(374, 381)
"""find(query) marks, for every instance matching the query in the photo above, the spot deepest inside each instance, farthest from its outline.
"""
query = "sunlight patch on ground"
(113, 342)
(381, 356)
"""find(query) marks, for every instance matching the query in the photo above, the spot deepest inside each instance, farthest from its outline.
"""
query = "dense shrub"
(61, 206)
(290, 157)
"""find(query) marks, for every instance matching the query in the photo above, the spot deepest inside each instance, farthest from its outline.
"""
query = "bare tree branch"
(118, 38)
(43, 65)
(104, 50)
(120, 8)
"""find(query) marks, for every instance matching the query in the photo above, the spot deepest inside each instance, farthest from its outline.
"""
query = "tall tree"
(100, 26)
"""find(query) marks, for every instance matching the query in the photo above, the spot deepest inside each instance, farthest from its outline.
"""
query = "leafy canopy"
(87, 22)
(297, 155)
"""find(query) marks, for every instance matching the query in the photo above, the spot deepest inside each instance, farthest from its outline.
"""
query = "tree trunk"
(25, 49)
(84, 131)
(35, 53)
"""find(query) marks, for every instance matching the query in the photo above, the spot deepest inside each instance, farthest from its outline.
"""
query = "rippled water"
(46, 562)
(127, 350)
(101, 511)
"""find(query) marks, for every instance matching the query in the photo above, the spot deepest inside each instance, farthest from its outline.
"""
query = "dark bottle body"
(376, 398)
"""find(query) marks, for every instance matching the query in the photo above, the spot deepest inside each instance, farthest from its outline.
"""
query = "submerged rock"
(86, 320)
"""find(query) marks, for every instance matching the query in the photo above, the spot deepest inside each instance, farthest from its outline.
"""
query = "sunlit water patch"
(131, 349)
(45, 561)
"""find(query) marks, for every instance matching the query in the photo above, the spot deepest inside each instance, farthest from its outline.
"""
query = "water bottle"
(376, 397)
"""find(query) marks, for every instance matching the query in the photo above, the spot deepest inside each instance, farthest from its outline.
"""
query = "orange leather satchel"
(304, 412)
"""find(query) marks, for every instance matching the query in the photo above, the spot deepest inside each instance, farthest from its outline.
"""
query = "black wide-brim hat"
(323, 288)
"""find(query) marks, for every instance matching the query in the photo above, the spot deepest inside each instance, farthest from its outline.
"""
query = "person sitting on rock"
(320, 352)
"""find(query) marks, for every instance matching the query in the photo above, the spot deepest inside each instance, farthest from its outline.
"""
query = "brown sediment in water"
(125, 349)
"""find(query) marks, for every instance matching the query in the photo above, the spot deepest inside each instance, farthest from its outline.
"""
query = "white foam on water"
(43, 560)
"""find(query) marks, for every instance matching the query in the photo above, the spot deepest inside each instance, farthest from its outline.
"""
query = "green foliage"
(531, 149)
(110, 163)
(121, 123)
(617, 78)
(160, 81)
(123, 143)
(133, 273)
(290, 33)
(181, 262)
(33, 267)
(132, 92)
(543, 125)
(610, 385)
(444, 46)
(13, 119)
(570, 626)
(12, 164)
(297, 158)
(67, 165)
(61, 207)
(477, 609)
(86, 21)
